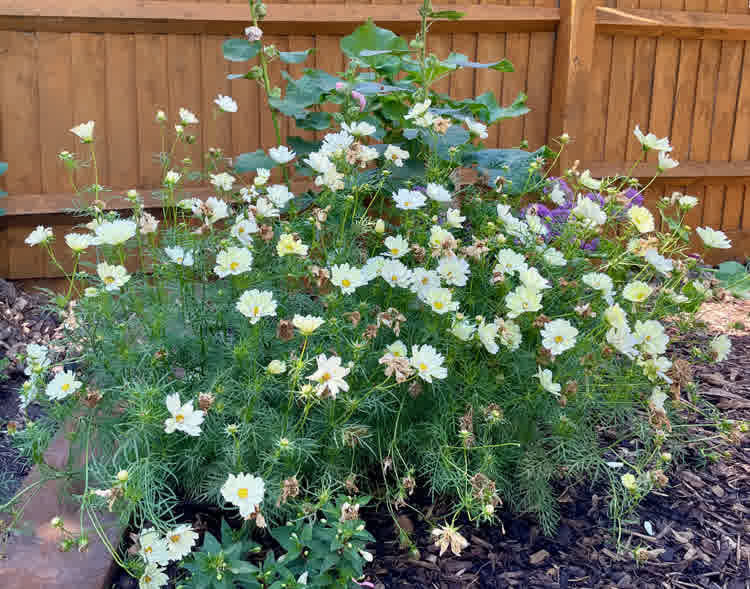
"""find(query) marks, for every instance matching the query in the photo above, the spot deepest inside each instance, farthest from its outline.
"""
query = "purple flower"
(591, 246)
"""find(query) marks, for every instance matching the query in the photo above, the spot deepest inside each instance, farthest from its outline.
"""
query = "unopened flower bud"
(122, 476)
(564, 138)
(57, 522)
(161, 116)
(380, 226)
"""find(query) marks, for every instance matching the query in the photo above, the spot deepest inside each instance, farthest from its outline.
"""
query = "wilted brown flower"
(415, 389)
(449, 537)
(441, 125)
(349, 512)
(318, 276)
(92, 398)
(396, 366)
(320, 216)
(476, 250)
(466, 427)
(355, 317)
(285, 330)
(493, 413)
(12, 427)
(289, 488)
(352, 435)
(205, 400)
(585, 311)
(371, 331)
(419, 253)
(541, 320)
(483, 489)
(266, 232)
(392, 318)
(658, 478)
(409, 484)
(351, 483)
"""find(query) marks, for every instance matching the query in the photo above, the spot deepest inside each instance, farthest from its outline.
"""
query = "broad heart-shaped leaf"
(302, 147)
(314, 121)
(447, 14)
(249, 162)
(240, 49)
(210, 544)
(3, 168)
(369, 37)
(511, 164)
(499, 113)
(729, 269)
(295, 56)
(460, 60)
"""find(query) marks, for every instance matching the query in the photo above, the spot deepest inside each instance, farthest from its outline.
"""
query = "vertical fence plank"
(217, 126)
(573, 61)
(539, 82)
(152, 95)
(184, 84)
(517, 50)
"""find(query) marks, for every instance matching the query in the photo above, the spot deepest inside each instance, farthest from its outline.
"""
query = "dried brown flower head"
(349, 512)
(392, 318)
(285, 330)
(205, 400)
(415, 389)
(92, 398)
(289, 488)
(351, 483)
(266, 232)
(355, 317)
(396, 366)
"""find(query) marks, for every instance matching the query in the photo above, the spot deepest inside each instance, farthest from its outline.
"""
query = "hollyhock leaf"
(460, 60)
(295, 56)
(497, 113)
(302, 147)
(314, 121)
(249, 162)
(240, 49)
(369, 37)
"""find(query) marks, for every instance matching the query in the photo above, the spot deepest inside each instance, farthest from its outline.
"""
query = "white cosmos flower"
(714, 238)
(233, 261)
(438, 193)
(687, 202)
(453, 218)
(244, 491)
(408, 200)
(721, 348)
(476, 128)
(636, 291)
(179, 256)
(588, 213)
(225, 103)
(372, 268)
(545, 379)
(148, 223)
(523, 300)
(261, 176)
(586, 180)
(665, 162)
(115, 232)
(172, 177)
(463, 330)
(397, 246)
(153, 548)
(222, 181)
(248, 194)
(559, 335)
(279, 195)
(623, 340)
(112, 276)
(656, 368)
(439, 235)
(428, 363)
(651, 141)
(335, 144)
(213, 210)
(319, 162)
(84, 131)
(281, 154)
(616, 317)
(153, 577)
(78, 242)
(289, 245)
(184, 417)
(601, 282)
(276, 367)
(255, 304)
(440, 300)
(180, 541)
(509, 332)
(347, 278)
(509, 262)
(453, 270)
(396, 155)
(367, 154)
(187, 117)
(423, 279)
(264, 208)
(253, 34)
(329, 376)
(659, 262)
(63, 385)
(243, 229)
(41, 234)
(657, 398)
(418, 109)
(396, 274)
(307, 324)
(557, 195)
(487, 333)
(531, 278)
(536, 225)
(651, 336)
(553, 257)
(642, 218)
(360, 129)
(397, 349)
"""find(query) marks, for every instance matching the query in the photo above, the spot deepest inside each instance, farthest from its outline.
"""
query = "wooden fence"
(593, 69)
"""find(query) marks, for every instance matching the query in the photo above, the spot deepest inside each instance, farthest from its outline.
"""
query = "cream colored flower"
(396, 274)
(397, 246)
(721, 347)
(307, 324)
(329, 376)
(180, 541)
(347, 278)
(665, 162)
(586, 180)
(225, 103)
(454, 218)
(244, 491)
(440, 300)
(588, 213)
(187, 117)
(642, 218)
(714, 238)
(523, 300)
(629, 482)
(559, 335)
(153, 577)
(454, 270)
(652, 337)
(409, 200)
(396, 155)
(78, 242)
(476, 128)
(545, 380)
(179, 256)
(84, 131)
(359, 129)
(279, 195)
(438, 193)
(112, 276)
(184, 417)
(41, 234)
(428, 363)
(276, 367)
(172, 177)
(290, 245)
(222, 181)
(255, 304)
(153, 548)
(63, 385)
(637, 291)
(233, 261)
(487, 333)
(651, 141)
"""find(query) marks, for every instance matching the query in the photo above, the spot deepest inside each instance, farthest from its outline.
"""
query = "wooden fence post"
(574, 54)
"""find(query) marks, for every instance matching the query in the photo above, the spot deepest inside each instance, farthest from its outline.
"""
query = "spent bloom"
(255, 304)
(41, 234)
(112, 276)
(84, 131)
(281, 154)
(714, 238)
(307, 324)
(428, 363)
(225, 103)
(449, 537)
(721, 347)
(651, 141)
(329, 376)
(244, 491)
(559, 335)
(233, 261)
(183, 417)
(63, 385)
(179, 255)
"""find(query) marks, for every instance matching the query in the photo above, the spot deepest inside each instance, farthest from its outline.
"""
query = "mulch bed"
(696, 531)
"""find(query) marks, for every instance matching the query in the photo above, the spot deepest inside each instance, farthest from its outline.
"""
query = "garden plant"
(423, 313)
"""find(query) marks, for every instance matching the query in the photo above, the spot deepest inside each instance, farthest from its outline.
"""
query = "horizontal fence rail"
(675, 67)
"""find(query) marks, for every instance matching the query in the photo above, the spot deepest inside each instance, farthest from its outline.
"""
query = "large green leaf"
(369, 37)
(511, 164)
(499, 113)
(314, 121)
(302, 147)
(240, 49)
(460, 60)
(249, 162)
(295, 56)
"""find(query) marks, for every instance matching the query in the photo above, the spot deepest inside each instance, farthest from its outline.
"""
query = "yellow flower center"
(525, 305)
(648, 338)
(179, 260)
(407, 203)
(242, 493)
(147, 579)
(256, 310)
(148, 550)
(438, 304)
(424, 280)
(109, 279)
(422, 366)
(234, 265)
(394, 278)
(558, 339)
(326, 377)
(175, 538)
(240, 230)
(179, 418)
(345, 282)
(65, 387)
(394, 251)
